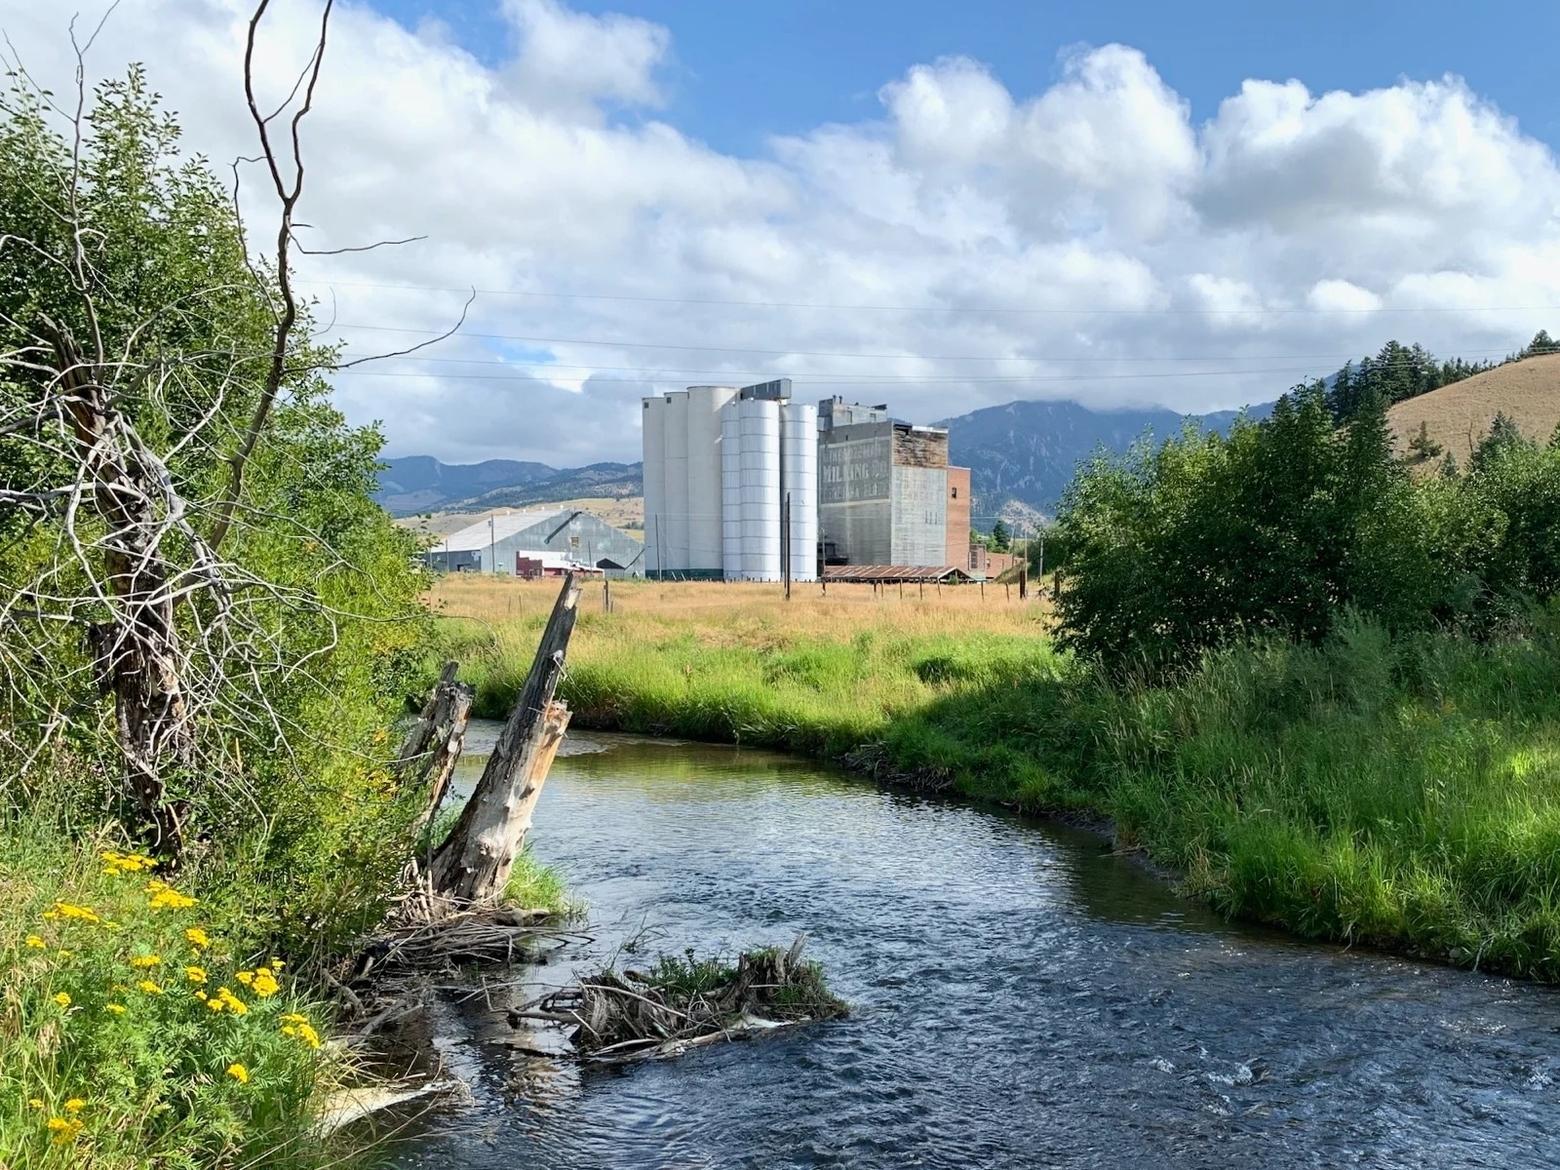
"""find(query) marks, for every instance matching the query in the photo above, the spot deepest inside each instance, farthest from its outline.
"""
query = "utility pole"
(785, 544)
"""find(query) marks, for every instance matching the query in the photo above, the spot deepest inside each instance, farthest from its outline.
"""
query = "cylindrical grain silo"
(731, 491)
(799, 482)
(760, 420)
(704, 477)
(674, 528)
(654, 415)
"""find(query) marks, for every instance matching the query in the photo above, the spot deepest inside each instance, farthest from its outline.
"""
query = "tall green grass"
(1398, 793)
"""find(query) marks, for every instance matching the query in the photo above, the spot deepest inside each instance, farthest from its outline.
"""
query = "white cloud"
(1127, 231)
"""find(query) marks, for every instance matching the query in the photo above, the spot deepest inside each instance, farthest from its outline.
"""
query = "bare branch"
(289, 315)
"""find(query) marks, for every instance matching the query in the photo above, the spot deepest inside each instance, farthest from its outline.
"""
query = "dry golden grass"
(1459, 415)
(751, 613)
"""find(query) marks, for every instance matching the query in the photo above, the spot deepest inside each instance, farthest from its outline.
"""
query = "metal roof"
(478, 536)
(867, 574)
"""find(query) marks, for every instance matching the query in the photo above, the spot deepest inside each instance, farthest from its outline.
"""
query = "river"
(1020, 997)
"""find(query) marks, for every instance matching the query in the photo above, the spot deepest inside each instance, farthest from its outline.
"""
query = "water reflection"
(1022, 999)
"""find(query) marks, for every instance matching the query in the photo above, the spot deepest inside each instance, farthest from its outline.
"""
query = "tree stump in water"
(472, 864)
(433, 746)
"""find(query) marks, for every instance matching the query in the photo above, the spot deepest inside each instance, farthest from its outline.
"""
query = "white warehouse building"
(729, 474)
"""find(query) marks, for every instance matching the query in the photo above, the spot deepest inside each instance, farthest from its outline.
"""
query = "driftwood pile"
(618, 1016)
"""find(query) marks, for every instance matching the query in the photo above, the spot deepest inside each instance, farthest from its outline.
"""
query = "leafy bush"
(1286, 523)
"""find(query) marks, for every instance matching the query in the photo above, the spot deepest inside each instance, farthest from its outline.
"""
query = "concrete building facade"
(506, 544)
(886, 495)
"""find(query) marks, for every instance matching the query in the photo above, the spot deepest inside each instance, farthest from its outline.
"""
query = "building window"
(955, 493)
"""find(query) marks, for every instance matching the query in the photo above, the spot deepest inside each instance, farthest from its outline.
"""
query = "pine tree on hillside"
(1000, 537)
(1504, 436)
(1422, 445)
(1541, 343)
(1449, 468)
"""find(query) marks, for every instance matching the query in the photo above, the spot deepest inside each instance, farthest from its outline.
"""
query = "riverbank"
(1401, 794)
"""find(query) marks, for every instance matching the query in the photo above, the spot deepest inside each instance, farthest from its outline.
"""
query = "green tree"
(1001, 538)
(1422, 445)
(296, 663)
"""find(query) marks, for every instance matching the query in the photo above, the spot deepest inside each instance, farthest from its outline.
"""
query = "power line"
(831, 307)
(906, 380)
(607, 343)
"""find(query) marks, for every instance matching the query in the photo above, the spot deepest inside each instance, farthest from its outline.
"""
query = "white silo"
(654, 416)
(799, 481)
(704, 477)
(760, 424)
(731, 491)
(674, 523)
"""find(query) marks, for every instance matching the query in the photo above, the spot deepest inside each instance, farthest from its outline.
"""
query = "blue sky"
(941, 205)
(743, 71)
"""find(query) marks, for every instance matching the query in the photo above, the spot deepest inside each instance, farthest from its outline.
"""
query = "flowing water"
(1020, 998)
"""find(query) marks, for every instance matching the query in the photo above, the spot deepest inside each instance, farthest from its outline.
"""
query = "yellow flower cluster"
(197, 938)
(224, 1000)
(70, 911)
(261, 981)
(65, 1130)
(238, 1072)
(147, 987)
(144, 961)
(165, 897)
(115, 864)
(195, 974)
(35, 942)
(295, 1025)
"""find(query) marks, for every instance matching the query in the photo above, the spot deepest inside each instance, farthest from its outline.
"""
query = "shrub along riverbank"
(1402, 793)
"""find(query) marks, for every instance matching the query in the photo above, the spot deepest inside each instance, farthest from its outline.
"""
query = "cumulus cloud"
(965, 246)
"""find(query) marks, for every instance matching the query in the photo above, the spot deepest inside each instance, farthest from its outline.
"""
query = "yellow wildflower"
(239, 1073)
(117, 1008)
(226, 999)
(149, 987)
(294, 1018)
(197, 938)
(35, 1102)
(62, 999)
(195, 974)
(265, 984)
(75, 1105)
(308, 1035)
(69, 910)
(64, 954)
(171, 899)
(245, 977)
(144, 961)
(65, 1131)
(35, 942)
(277, 964)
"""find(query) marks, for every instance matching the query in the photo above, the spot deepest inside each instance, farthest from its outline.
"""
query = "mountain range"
(1021, 456)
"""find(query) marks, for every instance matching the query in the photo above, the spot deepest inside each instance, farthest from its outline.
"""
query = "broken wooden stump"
(472, 864)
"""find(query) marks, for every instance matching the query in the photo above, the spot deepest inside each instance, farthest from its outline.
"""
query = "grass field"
(1403, 794)
(1459, 415)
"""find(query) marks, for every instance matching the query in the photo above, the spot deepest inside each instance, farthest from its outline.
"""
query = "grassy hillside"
(1459, 415)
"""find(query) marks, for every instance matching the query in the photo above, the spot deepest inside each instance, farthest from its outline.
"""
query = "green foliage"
(1001, 538)
(1279, 526)
(108, 1031)
(301, 793)
(1422, 445)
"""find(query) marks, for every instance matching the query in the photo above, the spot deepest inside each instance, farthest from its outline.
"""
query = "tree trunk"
(433, 746)
(137, 649)
(474, 861)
